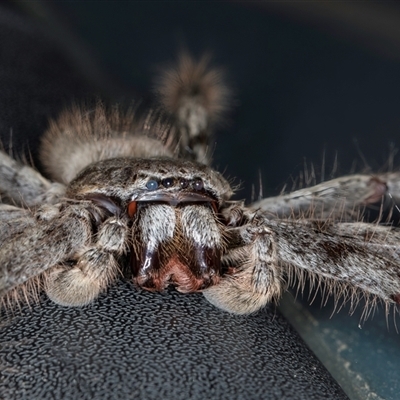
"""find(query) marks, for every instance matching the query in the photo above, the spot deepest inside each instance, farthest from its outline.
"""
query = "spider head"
(173, 208)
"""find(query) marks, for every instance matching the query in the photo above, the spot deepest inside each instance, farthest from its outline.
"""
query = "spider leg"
(44, 242)
(257, 278)
(342, 199)
(96, 267)
(22, 185)
(13, 220)
(349, 258)
(196, 97)
(37, 241)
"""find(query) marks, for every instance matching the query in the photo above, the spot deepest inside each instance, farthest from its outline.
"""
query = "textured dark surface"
(131, 344)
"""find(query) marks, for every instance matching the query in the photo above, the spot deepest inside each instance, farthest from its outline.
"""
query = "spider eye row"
(154, 184)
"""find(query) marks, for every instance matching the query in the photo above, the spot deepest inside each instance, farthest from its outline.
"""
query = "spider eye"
(183, 183)
(167, 182)
(198, 184)
(152, 184)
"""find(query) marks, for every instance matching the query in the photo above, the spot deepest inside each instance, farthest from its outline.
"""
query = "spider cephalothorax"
(172, 211)
(125, 192)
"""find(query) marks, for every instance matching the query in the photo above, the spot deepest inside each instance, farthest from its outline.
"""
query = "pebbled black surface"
(132, 344)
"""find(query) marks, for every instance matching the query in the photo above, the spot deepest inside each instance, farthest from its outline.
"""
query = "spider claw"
(144, 266)
(206, 264)
(154, 271)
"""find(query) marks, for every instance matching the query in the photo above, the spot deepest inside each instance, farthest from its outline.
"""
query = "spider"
(139, 193)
